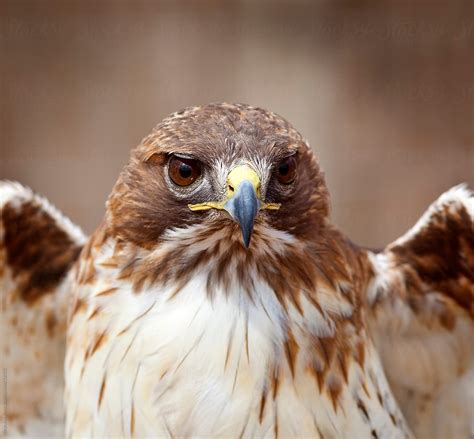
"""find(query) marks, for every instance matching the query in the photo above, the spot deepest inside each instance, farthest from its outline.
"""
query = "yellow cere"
(234, 179)
(238, 175)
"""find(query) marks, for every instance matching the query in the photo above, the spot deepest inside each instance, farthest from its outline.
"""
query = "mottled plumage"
(38, 247)
(223, 302)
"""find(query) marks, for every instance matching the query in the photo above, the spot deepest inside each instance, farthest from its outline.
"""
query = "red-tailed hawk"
(216, 299)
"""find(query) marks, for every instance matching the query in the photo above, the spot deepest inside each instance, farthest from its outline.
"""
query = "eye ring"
(286, 170)
(183, 171)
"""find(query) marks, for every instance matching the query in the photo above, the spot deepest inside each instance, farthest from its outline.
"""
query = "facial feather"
(220, 137)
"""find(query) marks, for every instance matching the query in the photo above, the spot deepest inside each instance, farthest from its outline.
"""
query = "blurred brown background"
(383, 91)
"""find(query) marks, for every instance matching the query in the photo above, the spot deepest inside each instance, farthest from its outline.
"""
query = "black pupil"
(284, 168)
(185, 170)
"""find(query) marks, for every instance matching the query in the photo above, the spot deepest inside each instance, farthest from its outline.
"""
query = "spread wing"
(421, 310)
(38, 247)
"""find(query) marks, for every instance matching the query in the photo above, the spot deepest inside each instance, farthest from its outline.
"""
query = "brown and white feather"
(421, 308)
(38, 247)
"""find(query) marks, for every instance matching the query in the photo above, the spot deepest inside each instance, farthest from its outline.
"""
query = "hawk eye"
(183, 171)
(286, 170)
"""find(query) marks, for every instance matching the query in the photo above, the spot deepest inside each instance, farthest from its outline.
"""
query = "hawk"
(216, 299)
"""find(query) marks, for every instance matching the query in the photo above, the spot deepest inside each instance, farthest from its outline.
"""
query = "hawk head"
(225, 165)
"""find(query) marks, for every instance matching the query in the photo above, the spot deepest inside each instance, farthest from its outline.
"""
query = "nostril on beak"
(231, 188)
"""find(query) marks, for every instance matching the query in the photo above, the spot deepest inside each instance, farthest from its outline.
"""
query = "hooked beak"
(243, 200)
(243, 208)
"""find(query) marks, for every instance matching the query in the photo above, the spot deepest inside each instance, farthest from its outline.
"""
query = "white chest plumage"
(190, 364)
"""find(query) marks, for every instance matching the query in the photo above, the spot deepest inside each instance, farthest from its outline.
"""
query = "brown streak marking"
(94, 314)
(189, 352)
(79, 305)
(315, 303)
(275, 382)
(327, 347)
(132, 419)
(291, 351)
(229, 346)
(275, 422)
(169, 387)
(236, 372)
(447, 319)
(87, 271)
(112, 262)
(266, 312)
(342, 363)
(262, 405)
(194, 316)
(51, 323)
(361, 406)
(101, 393)
(335, 390)
(123, 331)
(84, 363)
(364, 388)
(106, 292)
(127, 271)
(379, 397)
(129, 346)
(316, 374)
(360, 354)
(136, 377)
(98, 342)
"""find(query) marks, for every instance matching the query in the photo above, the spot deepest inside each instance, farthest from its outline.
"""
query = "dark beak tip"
(246, 230)
(246, 227)
(243, 208)
(246, 240)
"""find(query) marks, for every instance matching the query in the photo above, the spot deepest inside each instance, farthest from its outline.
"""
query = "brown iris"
(183, 171)
(286, 170)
